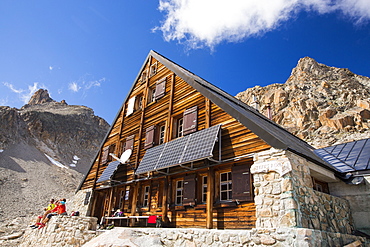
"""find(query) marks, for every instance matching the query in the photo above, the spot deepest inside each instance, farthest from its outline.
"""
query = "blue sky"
(89, 52)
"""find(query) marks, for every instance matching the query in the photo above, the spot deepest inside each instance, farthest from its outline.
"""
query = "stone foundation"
(155, 237)
(65, 231)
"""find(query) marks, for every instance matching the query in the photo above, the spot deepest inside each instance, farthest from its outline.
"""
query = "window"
(153, 69)
(190, 120)
(179, 192)
(151, 96)
(130, 142)
(320, 186)
(204, 188)
(146, 196)
(179, 127)
(139, 103)
(154, 134)
(162, 132)
(112, 149)
(144, 76)
(160, 88)
(225, 186)
(87, 197)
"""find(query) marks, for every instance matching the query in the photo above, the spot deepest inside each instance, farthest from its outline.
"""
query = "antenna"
(124, 157)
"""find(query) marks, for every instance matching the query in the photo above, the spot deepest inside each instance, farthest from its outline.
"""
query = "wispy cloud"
(24, 94)
(74, 87)
(209, 22)
(85, 83)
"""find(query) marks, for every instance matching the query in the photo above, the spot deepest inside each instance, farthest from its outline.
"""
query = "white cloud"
(73, 86)
(210, 22)
(12, 88)
(51, 67)
(24, 94)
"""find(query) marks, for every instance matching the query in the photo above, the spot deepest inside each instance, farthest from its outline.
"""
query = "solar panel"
(150, 159)
(347, 157)
(196, 146)
(109, 171)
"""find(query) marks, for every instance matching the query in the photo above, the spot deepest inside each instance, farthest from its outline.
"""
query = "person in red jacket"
(60, 209)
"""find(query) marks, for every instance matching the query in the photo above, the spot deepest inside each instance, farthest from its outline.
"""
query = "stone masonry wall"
(284, 196)
(65, 231)
(156, 237)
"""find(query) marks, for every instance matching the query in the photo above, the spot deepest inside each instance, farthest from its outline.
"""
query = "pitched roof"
(348, 157)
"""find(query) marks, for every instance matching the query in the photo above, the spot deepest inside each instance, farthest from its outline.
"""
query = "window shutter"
(189, 190)
(160, 89)
(149, 137)
(130, 142)
(241, 180)
(190, 120)
(130, 106)
(105, 153)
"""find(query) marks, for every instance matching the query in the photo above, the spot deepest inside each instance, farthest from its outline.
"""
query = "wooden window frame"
(178, 127)
(146, 196)
(144, 76)
(161, 133)
(153, 69)
(178, 192)
(204, 188)
(139, 102)
(151, 95)
(228, 183)
(112, 149)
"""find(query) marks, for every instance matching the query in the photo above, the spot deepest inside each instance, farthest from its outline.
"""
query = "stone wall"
(65, 231)
(80, 202)
(284, 196)
(155, 237)
(359, 198)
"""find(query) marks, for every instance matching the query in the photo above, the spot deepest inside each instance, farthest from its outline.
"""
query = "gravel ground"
(27, 182)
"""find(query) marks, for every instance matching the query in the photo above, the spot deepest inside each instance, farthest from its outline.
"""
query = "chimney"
(268, 111)
(255, 103)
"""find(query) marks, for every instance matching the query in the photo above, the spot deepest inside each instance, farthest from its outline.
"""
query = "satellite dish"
(124, 157)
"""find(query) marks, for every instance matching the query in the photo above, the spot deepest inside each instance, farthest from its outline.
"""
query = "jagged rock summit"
(321, 104)
(40, 97)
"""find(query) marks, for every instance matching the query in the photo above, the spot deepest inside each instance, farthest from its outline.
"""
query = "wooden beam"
(164, 201)
(170, 108)
(134, 202)
(143, 106)
(210, 192)
(208, 113)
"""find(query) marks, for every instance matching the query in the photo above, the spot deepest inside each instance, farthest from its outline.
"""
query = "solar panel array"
(196, 146)
(109, 171)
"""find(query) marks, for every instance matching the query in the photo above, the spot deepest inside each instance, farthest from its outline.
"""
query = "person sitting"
(60, 209)
(47, 210)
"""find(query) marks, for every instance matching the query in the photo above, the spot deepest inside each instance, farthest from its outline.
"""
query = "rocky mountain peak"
(40, 97)
(321, 104)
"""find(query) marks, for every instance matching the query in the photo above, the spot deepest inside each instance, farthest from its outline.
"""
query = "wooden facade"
(209, 193)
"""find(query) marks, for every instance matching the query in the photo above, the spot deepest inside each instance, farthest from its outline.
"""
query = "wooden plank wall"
(236, 140)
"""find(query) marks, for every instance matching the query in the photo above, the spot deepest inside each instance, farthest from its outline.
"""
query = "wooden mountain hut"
(182, 149)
